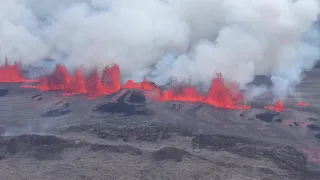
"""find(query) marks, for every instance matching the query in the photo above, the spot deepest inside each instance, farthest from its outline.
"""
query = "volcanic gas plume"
(157, 39)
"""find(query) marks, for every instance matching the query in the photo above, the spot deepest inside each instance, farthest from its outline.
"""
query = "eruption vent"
(93, 86)
(11, 73)
(219, 95)
(144, 85)
(302, 104)
(278, 107)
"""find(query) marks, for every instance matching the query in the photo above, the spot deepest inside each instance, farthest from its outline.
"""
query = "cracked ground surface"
(123, 136)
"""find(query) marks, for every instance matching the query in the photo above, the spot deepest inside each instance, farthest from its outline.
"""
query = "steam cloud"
(162, 38)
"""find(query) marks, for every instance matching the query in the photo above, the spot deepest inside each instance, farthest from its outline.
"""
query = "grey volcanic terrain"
(124, 136)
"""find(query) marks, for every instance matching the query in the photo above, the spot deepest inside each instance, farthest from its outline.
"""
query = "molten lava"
(278, 107)
(96, 84)
(302, 104)
(219, 95)
(187, 94)
(11, 73)
(93, 86)
(111, 78)
(144, 85)
(223, 96)
(78, 84)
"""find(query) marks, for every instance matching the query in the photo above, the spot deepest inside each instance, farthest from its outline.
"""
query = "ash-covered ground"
(125, 136)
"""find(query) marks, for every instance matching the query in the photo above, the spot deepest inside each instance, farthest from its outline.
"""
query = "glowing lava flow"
(223, 96)
(144, 85)
(302, 104)
(111, 78)
(187, 94)
(93, 86)
(219, 95)
(108, 82)
(11, 73)
(78, 84)
(278, 107)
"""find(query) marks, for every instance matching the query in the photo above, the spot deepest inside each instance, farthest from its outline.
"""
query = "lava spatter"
(219, 95)
(78, 84)
(111, 78)
(278, 107)
(223, 96)
(302, 104)
(11, 73)
(59, 79)
(144, 85)
(93, 86)
(187, 94)
(107, 82)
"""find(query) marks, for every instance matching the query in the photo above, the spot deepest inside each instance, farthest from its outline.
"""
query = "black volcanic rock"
(150, 133)
(4, 92)
(285, 157)
(61, 110)
(312, 119)
(170, 153)
(267, 116)
(116, 149)
(39, 147)
(317, 136)
(314, 127)
(116, 108)
(23, 142)
(137, 97)
(37, 97)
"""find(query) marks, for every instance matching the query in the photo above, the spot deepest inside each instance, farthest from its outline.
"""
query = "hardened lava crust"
(45, 135)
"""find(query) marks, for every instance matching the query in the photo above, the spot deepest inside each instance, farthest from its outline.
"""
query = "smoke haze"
(158, 39)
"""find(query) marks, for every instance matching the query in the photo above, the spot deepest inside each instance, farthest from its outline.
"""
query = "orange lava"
(278, 107)
(11, 73)
(93, 86)
(219, 95)
(78, 84)
(188, 94)
(302, 104)
(111, 78)
(144, 85)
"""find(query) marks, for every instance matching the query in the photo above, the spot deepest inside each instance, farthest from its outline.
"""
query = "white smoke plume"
(163, 38)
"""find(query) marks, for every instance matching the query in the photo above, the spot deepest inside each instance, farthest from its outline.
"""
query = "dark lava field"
(45, 135)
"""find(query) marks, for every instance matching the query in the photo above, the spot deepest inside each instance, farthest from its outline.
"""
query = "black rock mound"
(267, 116)
(118, 108)
(4, 92)
(314, 127)
(137, 97)
(170, 153)
(60, 111)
